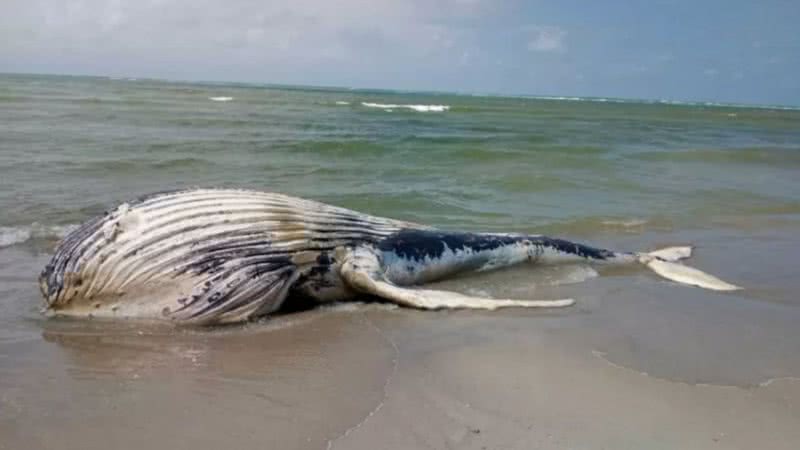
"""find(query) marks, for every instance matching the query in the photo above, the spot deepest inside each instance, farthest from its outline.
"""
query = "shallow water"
(638, 362)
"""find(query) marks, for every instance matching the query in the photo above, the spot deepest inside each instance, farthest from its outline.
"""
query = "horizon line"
(548, 97)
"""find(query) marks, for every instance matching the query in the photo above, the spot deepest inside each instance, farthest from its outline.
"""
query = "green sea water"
(73, 146)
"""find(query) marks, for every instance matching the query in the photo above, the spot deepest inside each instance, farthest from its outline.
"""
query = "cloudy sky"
(718, 50)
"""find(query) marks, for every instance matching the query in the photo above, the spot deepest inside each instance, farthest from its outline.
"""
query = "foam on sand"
(418, 108)
(569, 274)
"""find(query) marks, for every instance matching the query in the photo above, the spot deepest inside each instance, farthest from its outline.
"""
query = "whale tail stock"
(362, 270)
(665, 263)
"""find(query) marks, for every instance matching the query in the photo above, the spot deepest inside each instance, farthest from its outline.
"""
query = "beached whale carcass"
(221, 255)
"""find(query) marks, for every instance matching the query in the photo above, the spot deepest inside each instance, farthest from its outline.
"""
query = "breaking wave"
(220, 99)
(418, 108)
(18, 235)
(625, 223)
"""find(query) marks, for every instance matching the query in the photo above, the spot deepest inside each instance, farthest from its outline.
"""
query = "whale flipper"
(361, 269)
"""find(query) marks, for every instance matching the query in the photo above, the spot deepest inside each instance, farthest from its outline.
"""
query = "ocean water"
(624, 174)
(72, 147)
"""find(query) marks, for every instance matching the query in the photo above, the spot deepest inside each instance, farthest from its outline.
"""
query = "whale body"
(210, 256)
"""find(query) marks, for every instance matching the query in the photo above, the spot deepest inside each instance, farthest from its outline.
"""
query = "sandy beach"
(639, 363)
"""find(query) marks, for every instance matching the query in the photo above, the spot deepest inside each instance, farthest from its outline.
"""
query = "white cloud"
(267, 40)
(711, 72)
(546, 38)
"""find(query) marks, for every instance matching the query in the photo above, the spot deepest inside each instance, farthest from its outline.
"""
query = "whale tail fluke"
(672, 254)
(665, 263)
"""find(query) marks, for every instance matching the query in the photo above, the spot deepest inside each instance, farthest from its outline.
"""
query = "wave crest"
(18, 235)
(418, 108)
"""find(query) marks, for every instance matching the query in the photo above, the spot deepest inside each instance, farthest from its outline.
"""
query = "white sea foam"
(342, 103)
(572, 275)
(220, 99)
(418, 108)
(569, 99)
(479, 293)
(629, 223)
(662, 101)
(10, 236)
(17, 235)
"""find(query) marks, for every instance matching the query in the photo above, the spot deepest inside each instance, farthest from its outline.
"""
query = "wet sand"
(639, 363)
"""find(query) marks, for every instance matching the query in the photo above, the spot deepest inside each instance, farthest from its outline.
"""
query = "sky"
(702, 50)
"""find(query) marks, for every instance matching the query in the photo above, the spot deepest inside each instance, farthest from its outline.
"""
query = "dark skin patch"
(315, 276)
(325, 259)
(418, 244)
(297, 302)
(565, 246)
